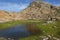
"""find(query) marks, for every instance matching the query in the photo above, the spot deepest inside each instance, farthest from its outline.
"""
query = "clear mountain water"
(15, 32)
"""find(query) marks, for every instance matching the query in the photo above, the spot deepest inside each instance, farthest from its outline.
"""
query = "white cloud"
(12, 6)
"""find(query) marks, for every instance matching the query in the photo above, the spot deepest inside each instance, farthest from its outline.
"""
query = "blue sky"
(53, 2)
(18, 5)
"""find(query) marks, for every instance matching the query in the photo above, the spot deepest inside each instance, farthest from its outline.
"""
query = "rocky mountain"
(36, 10)
(41, 11)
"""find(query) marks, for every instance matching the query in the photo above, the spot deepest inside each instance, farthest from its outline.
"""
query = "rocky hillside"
(41, 11)
(36, 10)
(9, 16)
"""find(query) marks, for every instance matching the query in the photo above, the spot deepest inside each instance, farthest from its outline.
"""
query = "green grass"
(12, 23)
(29, 38)
(8, 24)
(47, 28)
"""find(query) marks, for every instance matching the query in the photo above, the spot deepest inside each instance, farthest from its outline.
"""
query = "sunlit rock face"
(9, 16)
(36, 10)
(40, 10)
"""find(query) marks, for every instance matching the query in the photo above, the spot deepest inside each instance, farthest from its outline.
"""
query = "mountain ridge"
(35, 11)
(40, 9)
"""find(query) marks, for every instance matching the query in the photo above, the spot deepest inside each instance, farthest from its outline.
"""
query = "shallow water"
(15, 32)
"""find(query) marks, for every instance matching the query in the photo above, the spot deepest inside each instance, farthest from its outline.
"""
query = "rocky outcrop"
(41, 11)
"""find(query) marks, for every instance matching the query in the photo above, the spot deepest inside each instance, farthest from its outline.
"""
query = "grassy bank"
(46, 28)
(12, 23)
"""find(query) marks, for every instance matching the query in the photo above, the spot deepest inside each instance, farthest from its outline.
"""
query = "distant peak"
(37, 3)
